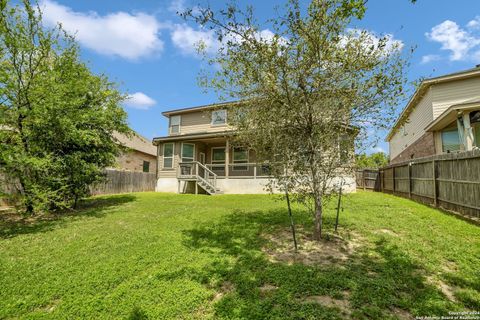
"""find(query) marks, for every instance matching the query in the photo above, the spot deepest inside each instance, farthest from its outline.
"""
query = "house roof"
(424, 86)
(198, 108)
(137, 142)
(193, 136)
(450, 115)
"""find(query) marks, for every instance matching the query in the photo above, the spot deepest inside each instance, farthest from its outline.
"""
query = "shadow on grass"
(13, 224)
(378, 281)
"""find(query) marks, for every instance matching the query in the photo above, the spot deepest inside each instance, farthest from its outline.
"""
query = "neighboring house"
(141, 155)
(198, 156)
(443, 116)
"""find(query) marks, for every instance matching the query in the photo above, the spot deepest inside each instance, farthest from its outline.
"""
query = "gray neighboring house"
(443, 116)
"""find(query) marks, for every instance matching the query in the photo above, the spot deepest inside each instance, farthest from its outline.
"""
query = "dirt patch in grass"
(225, 288)
(331, 250)
(448, 291)
(342, 304)
(387, 232)
(402, 314)
(267, 288)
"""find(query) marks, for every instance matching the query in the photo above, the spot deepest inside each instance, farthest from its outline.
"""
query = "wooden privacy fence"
(368, 179)
(449, 181)
(125, 181)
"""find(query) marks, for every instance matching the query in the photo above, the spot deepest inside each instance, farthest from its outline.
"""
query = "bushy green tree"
(57, 118)
(308, 86)
(373, 161)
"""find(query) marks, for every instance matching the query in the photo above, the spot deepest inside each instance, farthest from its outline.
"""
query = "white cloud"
(188, 39)
(475, 23)
(177, 6)
(139, 100)
(430, 58)
(377, 149)
(454, 39)
(122, 34)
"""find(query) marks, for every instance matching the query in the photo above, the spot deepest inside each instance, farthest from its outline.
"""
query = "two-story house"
(198, 156)
(443, 116)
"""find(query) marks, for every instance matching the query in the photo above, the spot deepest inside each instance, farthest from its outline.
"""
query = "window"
(450, 140)
(188, 152)
(168, 155)
(175, 124)
(240, 156)
(219, 117)
(476, 129)
(218, 158)
(146, 166)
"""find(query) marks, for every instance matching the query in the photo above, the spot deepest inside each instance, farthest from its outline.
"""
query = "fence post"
(363, 177)
(393, 180)
(382, 176)
(434, 179)
(409, 181)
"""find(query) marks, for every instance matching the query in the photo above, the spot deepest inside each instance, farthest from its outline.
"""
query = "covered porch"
(208, 162)
(457, 128)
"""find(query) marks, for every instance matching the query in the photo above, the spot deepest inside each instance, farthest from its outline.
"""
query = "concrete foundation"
(240, 186)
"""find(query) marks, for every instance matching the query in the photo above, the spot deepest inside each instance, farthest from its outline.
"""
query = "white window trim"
(240, 163)
(179, 124)
(219, 124)
(181, 151)
(173, 156)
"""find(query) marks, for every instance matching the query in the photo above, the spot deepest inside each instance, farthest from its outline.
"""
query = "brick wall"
(423, 147)
(133, 161)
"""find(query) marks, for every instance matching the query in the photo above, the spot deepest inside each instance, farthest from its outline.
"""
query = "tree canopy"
(309, 84)
(373, 161)
(57, 118)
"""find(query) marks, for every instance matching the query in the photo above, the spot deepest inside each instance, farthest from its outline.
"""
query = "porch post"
(227, 157)
(468, 131)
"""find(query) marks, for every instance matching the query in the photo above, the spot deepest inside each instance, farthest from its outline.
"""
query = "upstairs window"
(219, 117)
(175, 124)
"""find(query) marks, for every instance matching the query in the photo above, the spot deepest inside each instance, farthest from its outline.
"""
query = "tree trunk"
(292, 223)
(317, 231)
(28, 200)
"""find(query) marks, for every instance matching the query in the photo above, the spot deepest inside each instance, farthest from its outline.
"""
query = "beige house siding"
(438, 98)
(200, 122)
(420, 117)
(200, 147)
(454, 92)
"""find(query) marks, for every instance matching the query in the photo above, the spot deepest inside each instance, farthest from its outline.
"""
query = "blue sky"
(145, 47)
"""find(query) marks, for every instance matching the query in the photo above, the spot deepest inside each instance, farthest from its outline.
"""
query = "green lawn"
(160, 256)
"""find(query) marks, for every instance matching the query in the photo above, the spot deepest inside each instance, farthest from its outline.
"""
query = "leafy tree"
(372, 161)
(57, 118)
(308, 86)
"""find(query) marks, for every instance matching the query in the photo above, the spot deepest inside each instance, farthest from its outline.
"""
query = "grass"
(161, 256)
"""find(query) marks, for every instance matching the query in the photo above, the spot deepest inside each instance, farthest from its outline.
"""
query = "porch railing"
(196, 170)
(241, 170)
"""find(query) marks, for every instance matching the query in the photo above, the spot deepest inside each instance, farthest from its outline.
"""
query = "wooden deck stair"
(200, 174)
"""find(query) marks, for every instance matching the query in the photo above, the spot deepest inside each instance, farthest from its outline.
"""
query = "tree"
(308, 86)
(372, 161)
(58, 118)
